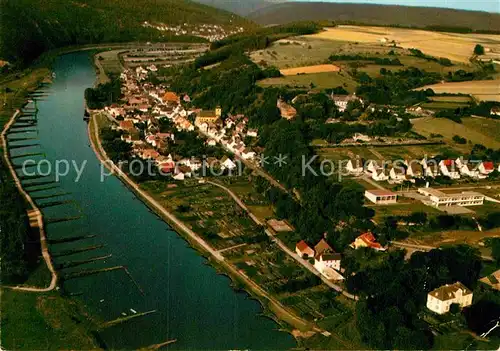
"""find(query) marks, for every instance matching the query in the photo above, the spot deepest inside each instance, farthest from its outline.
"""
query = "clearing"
(488, 90)
(448, 129)
(456, 47)
(310, 69)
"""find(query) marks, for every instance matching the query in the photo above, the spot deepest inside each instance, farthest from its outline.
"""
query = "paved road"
(35, 215)
(426, 248)
(282, 245)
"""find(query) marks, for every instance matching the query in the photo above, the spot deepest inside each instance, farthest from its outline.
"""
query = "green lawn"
(319, 80)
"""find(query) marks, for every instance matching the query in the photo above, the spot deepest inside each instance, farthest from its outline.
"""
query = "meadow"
(448, 129)
(318, 80)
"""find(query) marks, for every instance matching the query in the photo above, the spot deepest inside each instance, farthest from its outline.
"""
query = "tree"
(454, 308)
(479, 50)
(495, 248)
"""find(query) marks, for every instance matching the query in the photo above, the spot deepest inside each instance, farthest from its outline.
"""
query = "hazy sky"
(479, 5)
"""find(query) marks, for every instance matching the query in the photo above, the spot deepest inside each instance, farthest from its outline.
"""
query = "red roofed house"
(171, 97)
(381, 197)
(367, 240)
(304, 250)
(127, 126)
(486, 167)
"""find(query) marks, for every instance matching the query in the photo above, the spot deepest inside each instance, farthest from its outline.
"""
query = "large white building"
(439, 199)
(440, 299)
(381, 197)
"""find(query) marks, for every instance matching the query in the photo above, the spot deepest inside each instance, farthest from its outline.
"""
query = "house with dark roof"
(325, 257)
(440, 299)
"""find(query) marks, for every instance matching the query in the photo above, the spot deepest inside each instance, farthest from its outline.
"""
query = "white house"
(355, 166)
(486, 167)
(415, 170)
(341, 101)
(227, 163)
(380, 175)
(470, 170)
(371, 166)
(397, 174)
(304, 250)
(440, 299)
(449, 168)
(325, 257)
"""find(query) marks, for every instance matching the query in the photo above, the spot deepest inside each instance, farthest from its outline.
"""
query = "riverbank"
(285, 316)
(34, 214)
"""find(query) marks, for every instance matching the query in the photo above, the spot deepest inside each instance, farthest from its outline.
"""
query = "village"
(151, 117)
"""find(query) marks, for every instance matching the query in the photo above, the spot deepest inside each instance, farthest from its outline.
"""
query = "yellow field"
(428, 125)
(456, 47)
(488, 90)
(309, 69)
(323, 80)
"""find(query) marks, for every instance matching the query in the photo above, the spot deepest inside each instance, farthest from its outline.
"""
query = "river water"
(194, 304)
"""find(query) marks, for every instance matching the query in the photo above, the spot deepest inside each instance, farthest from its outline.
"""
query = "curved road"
(34, 214)
(282, 245)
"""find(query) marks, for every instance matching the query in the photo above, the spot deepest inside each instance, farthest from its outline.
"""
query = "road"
(282, 245)
(426, 248)
(35, 215)
(102, 156)
(255, 167)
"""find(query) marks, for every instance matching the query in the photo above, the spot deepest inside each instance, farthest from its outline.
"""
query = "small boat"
(133, 311)
(101, 301)
(124, 314)
(53, 75)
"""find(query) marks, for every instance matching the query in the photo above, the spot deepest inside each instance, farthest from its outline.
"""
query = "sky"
(478, 5)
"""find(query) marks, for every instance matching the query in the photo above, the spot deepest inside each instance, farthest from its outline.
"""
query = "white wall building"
(440, 199)
(381, 197)
(440, 300)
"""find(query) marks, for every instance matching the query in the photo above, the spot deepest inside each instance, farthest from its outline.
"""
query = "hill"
(30, 27)
(376, 15)
(242, 7)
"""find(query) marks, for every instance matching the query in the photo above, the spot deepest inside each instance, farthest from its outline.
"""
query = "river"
(194, 304)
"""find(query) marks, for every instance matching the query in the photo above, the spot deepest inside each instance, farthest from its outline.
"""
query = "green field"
(319, 80)
(296, 52)
(429, 125)
(486, 126)
(109, 64)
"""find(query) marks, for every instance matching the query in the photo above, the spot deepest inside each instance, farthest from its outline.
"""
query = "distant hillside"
(375, 14)
(30, 27)
(240, 7)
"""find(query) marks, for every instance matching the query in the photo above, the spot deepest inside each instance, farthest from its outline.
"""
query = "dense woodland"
(28, 28)
(14, 228)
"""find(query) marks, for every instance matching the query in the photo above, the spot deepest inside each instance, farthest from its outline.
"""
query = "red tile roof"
(489, 166)
(370, 240)
(302, 245)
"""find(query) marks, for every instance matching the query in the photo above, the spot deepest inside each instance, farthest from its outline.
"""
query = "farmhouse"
(341, 101)
(381, 197)
(440, 299)
(439, 199)
(304, 250)
(127, 126)
(325, 257)
(367, 240)
(287, 111)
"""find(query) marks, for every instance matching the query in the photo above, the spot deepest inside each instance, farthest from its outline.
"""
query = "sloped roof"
(448, 292)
